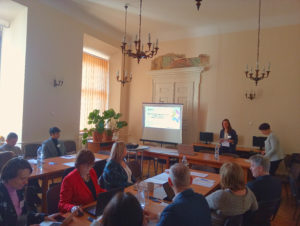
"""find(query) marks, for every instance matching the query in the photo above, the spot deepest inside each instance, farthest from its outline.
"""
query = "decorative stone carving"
(172, 60)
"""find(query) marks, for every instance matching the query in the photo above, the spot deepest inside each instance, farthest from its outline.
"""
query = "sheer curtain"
(94, 87)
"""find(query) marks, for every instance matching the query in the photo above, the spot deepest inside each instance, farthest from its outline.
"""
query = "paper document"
(225, 143)
(32, 161)
(159, 179)
(203, 182)
(68, 157)
(97, 159)
(197, 174)
(71, 164)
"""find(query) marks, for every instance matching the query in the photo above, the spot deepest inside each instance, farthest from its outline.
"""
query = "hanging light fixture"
(125, 77)
(198, 3)
(251, 95)
(259, 75)
(138, 51)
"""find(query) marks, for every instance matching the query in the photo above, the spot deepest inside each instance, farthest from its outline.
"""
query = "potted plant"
(112, 123)
(105, 125)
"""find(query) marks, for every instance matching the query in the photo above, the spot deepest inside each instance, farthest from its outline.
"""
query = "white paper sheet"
(71, 164)
(97, 159)
(197, 174)
(225, 143)
(32, 161)
(203, 182)
(159, 179)
(68, 157)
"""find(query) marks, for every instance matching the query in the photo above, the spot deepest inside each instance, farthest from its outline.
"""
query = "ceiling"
(177, 19)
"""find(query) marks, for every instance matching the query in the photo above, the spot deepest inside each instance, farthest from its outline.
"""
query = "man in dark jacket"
(188, 207)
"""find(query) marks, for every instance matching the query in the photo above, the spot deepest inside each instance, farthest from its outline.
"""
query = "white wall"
(13, 73)
(54, 50)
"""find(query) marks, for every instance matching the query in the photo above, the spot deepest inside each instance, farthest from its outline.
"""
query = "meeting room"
(149, 112)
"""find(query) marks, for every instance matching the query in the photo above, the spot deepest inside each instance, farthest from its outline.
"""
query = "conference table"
(156, 207)
(198, 159)
(53, 168)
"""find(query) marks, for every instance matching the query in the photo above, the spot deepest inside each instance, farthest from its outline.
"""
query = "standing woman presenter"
(228, 138)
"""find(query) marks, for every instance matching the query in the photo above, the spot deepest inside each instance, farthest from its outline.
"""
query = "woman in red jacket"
(80, 186)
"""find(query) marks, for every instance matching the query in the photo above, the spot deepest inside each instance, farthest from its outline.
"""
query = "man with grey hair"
(188, 208)
(265, 187)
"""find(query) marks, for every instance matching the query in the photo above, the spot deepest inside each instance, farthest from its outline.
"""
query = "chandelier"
(138, 50)
(257, 74)
(198, 3)
(125, 77)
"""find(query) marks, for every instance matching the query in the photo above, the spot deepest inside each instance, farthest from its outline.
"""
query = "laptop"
(185, 149)
(102, 200)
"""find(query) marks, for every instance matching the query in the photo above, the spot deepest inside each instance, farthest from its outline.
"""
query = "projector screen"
(162, 122)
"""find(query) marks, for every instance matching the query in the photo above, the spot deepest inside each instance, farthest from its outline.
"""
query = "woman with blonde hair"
(234, 198)
(116, 173)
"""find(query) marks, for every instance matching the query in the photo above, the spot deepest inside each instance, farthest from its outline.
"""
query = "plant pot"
(97, 137)
(107, 137)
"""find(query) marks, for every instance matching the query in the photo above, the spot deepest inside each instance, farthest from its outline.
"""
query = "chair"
(234, 220)
(70, 146)
(53, 199)
(266, 212)
(67, 171)
(99, 167)
(204, 168)
(5, 156)
(31, 150)
(135, 169)
(231, 155)
(295, 186)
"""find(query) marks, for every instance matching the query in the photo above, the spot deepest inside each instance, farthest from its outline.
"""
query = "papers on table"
(203, 182)
(32, 161)
(50, 223)
(225, 143)
(71, 164)
(96, 159)
(159, 179)
(197, 174)
(68, 157)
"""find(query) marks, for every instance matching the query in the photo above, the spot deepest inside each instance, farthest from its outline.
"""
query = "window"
(94, 86)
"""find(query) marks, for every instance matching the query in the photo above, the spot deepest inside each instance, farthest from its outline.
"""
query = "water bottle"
(184, 161)
(217, 151)
(40, 158)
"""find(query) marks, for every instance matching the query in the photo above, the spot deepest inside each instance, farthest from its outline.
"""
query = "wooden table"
(198, 158)
(209, 160)
(150, 205)
(53, 168)
(212, 147)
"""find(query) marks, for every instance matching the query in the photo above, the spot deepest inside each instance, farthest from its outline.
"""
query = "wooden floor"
(285, 213)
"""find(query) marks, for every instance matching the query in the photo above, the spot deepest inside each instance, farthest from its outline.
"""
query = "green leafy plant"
(108, 122)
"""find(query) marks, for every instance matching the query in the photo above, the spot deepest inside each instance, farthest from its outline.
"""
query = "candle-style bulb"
(149, 38)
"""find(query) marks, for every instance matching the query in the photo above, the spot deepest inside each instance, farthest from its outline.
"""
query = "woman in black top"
(228, 138)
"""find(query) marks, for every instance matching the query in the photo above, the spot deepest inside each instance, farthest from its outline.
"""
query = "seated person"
(265, 187)
(228, 138)
(188, 207)
(116, 173)
(80, 186)
(11, 140)
(123, 210)
(13, 208)
(234, 198)
(53, 147)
